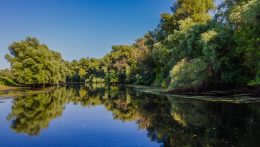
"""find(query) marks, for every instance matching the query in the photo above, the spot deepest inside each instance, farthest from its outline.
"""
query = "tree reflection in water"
(171, 121)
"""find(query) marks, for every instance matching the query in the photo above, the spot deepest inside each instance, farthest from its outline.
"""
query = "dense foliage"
(196, 45)
(6, 77)
(34, 64)
(191, 48)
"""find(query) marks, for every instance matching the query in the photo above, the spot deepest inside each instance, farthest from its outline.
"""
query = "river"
(120, 116)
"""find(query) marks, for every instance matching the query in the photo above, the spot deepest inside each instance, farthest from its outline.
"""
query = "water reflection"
(170, 121)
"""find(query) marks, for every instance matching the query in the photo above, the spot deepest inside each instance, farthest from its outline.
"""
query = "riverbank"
(3, 87)
(234, 95)
(231, 96)
(8, 91)
(214, 92)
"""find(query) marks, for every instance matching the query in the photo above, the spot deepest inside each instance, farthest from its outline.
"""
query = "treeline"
(198, 45)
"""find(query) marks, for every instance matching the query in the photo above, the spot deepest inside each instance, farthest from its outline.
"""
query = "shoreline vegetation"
(7, 92)
(3, 87)
(232, 96)
(191, 51)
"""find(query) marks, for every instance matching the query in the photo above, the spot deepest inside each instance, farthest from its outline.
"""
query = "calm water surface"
(124, 117)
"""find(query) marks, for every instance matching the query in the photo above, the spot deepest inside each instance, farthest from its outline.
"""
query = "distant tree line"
(198, 45)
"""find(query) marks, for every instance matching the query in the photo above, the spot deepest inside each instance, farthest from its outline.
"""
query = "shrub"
(98, 80)
(7, 81)
(95, 80)
(188, 74)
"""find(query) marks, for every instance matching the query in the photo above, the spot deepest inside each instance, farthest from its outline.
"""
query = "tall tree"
(197, 10)
(35, 64)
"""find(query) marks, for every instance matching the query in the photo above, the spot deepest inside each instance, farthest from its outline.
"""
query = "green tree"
(35, 64)
(188, 74)
(82, 73)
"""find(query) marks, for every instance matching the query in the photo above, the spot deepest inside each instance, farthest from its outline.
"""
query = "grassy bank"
(13, 92)
(3, 87)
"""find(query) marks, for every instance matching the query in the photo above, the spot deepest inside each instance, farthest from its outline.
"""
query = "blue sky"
(78, 28)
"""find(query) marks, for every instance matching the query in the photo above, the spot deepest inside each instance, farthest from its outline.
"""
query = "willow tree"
(34, 64)
(182, 9)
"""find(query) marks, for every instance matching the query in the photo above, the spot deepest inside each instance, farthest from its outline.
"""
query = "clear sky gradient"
(78, 28)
